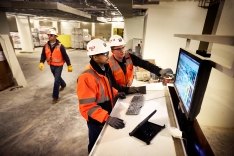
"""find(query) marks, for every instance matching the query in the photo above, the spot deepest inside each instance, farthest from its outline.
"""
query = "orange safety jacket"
(121, 78)
(54, 58)
(95, 95)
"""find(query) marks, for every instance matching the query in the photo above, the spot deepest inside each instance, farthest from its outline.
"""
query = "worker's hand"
(164, 72)
(121, 95)
(41, 66)
(69, 68)
(132, 90)
(115, 122)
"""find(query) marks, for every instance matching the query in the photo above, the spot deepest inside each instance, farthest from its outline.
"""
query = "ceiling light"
(117, 19)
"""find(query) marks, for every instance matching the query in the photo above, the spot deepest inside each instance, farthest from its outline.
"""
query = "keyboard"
(135, 105)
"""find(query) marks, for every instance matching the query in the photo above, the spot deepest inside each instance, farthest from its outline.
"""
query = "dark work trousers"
(58, 81)
(94, 131)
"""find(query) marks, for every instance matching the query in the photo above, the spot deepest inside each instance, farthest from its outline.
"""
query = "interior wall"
(217, 108)
(165, 20)
(86, 25)
(133, 28)
(67, 26)
(169, 18)
(103, 30)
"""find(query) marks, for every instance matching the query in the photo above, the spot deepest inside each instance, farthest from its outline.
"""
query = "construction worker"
(95, 92)
(122, 63)
(55, 55)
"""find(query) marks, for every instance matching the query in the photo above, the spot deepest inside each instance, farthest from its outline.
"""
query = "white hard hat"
(116, 40)
(97, 46)
(52, 32)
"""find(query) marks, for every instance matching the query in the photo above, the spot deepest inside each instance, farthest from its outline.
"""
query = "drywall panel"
(133, 28)
(165, 20)
(103, 30)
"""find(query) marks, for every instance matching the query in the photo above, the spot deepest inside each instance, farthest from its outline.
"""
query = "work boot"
(55, 100)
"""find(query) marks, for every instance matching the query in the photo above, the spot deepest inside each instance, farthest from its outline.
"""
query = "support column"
(93, 29)
(211, 24)
(25, 35)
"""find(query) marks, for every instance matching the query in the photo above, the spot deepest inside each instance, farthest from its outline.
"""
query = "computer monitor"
(192, 75)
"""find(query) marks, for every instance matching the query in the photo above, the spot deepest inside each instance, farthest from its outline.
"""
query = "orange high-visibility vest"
(93, 89)
(55, 58)
(121, 78)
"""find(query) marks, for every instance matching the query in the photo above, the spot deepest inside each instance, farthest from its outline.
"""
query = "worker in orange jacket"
(122, 63)
(95, 92)
(55, 54)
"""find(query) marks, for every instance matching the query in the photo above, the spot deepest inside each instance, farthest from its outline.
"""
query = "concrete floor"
(30, 124)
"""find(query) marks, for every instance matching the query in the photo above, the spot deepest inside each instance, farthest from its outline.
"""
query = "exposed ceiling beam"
(40, 7)
(124, 6)
(96, 9)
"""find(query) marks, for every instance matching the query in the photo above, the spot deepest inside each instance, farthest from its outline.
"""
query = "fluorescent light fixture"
(102, 19)
(117, 19)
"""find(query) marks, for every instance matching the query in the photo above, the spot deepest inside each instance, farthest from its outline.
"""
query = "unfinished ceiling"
(82, 10)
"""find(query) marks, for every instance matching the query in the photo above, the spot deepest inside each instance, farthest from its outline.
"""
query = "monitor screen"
(186, 78)
(191, 79)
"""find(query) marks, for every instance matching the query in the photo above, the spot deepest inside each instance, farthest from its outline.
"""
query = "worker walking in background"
(95, 92)
(55, 54)
(122, 63)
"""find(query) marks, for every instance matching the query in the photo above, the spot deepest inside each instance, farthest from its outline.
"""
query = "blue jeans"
(94, 131)
(58, 81)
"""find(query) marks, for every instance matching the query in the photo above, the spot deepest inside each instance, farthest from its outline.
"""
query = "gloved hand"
(121, 95)
(41, 66)
(164, 72)
(69, 68)
(133, 90)
(115, 122)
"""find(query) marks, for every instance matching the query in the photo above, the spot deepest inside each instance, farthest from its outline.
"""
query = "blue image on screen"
(187, 70)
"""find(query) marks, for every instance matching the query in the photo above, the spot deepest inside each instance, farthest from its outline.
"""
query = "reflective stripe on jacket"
(54, 58)
(95, 95)
(121, 78)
